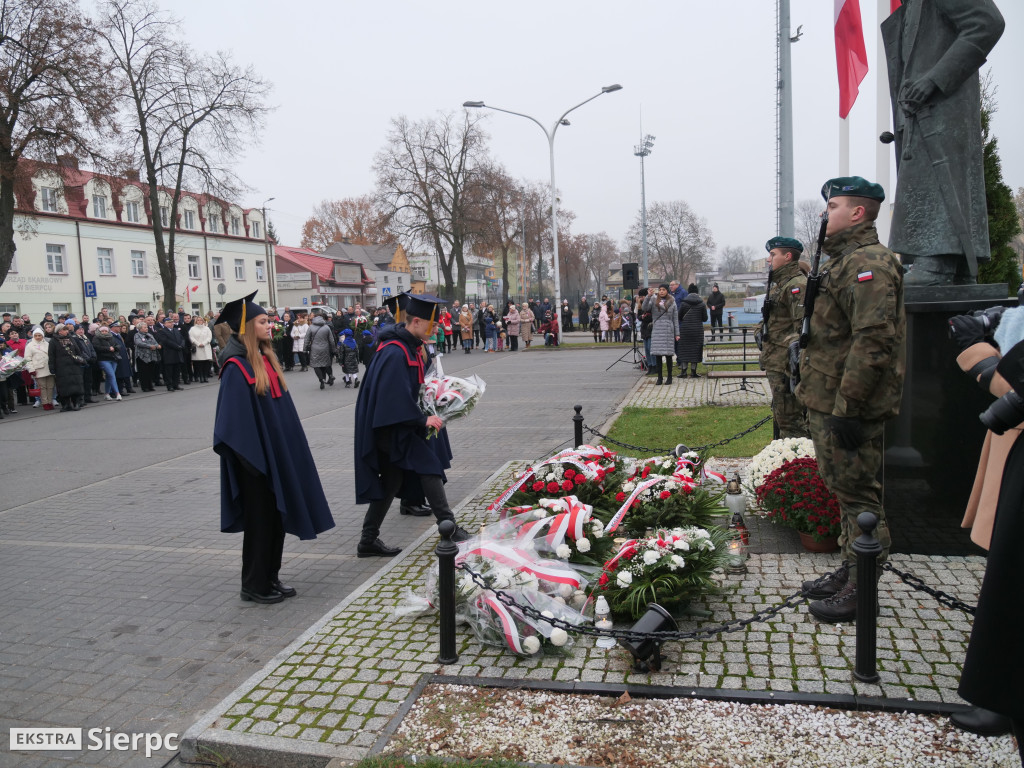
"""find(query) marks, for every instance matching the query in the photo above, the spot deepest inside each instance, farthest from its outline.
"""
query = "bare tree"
(499, 214)
(191, 115)
(598, 257)
(736, 258)
(54, 97)
(537, 205)
(358, 220)
(679, 242)
(423, 178)
(808, 222)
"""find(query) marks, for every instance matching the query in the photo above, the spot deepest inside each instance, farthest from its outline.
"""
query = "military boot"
(828, 585)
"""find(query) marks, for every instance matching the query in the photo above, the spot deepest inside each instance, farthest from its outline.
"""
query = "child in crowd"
(348, 356)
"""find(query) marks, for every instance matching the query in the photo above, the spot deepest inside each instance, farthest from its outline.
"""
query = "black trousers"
(146, 371)
(391, 480)
(171, 373)
(324, 372)
(263, 539)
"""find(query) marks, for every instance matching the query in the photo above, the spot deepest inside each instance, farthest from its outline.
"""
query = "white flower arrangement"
(775, 454)
(583, 545)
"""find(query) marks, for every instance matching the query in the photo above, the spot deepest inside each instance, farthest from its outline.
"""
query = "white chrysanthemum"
(598, 530)
(563, 551)
(531, 645)
(565, 590)
(583, 546)
(650, 557)
(550, 477)
(579, 598)
(559, 637)
(540, 513)
(678, 561)
(624, 578)
(628, 487)
(681, 544)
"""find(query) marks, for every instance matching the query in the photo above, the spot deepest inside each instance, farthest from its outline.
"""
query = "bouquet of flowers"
(670, 567)
(10, 364)
(664, 502)
(495, 623)
(360, 323)
(794, 495)
(277, 330)
(449, 397)
(774, 455)
(561, 527)
(587, 472)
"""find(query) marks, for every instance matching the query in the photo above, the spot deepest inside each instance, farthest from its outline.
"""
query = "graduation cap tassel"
(241, 326)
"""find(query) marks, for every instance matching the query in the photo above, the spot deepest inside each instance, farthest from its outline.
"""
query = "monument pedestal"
(933, 446)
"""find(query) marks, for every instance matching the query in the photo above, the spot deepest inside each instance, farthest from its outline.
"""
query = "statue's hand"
(916, 93)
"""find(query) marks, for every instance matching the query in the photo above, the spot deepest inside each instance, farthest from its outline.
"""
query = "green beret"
(852, 186)
(784, 242)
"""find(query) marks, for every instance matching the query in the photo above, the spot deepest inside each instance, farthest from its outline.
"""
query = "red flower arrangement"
(794, 495)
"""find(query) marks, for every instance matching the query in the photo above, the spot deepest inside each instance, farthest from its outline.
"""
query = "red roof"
(320, 265)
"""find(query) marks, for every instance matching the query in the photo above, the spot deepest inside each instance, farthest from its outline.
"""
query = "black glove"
(848, 430)
(975, 327)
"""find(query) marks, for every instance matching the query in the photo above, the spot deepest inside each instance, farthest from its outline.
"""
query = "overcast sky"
(701, 75)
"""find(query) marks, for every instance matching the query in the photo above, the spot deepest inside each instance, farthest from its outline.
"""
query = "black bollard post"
(577, 426)
(868, 549)
(446, 551)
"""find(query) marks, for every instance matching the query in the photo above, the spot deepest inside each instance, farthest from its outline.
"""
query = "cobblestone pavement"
(121, 603)
(331, 693)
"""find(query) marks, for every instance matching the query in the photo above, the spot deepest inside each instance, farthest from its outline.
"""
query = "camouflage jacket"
(787, 295)
(854, 362)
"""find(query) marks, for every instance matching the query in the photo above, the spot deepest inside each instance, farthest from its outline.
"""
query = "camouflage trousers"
(854, 477)
(789, 414)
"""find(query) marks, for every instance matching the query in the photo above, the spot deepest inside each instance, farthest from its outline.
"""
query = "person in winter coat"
(201, 338)
(107, 353)
(367, 346)
(645, 327)
(320, 348)
(147, 356)
(285, 344)
(445, 323)
(171, 343)
(37, 363)
(88, 355)
(348, 356)
(716, 305)
(692, 315)
(512, 325)
(299, 330)
(66, 367)
(566, 316)
(123, 369)
(466, 328)
(490, 330)
(664, 328)
(527, 322)
(604, 318)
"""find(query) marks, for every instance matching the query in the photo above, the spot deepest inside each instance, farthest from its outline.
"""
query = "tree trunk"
(7, 245)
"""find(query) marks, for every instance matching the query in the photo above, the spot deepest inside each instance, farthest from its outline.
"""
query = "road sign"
(305, 300)
(385, 291)
(90, 289)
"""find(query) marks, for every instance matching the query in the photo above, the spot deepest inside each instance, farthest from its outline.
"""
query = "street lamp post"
(642, 150)
(551, 152)
(270, 256)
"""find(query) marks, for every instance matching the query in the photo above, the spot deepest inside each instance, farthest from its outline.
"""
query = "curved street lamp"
(554, 198)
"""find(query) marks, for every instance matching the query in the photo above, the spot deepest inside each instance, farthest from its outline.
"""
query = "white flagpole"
(844, 146)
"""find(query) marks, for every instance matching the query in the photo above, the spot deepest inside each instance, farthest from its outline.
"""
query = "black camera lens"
(1004, 413)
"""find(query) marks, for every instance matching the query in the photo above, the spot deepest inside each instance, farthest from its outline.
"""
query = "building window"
(165, 216)
(99, 207)
(131, 212)
(193, 267)
(111, 307)
(138, 263)
(49, 199)
(211, 223)
(260, 272)
(12, 308)
(61, 309)
(55, 260)
(105, 261)
(239, 269)
(142, 306)
(190, 220)
(256, 229)
(236, 225)
(217, 267)
(399, 281)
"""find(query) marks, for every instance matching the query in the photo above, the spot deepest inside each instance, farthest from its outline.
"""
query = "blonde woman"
(202, 350)
(299, 331)
(269, 481)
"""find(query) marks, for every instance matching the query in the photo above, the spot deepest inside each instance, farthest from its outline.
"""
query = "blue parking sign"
(90, 289)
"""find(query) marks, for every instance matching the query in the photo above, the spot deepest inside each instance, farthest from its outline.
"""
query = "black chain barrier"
(627, 634)
(947, 600)
(698, 448)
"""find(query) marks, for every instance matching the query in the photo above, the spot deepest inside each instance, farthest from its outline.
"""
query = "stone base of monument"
(932, 447)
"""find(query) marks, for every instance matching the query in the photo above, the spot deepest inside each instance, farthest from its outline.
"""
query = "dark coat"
(123, 369)
(389, 425)
(349, 357)
(171, 344)
(716, 303)
(692, 315)
(66, 366)
(105, 346)
(256, 434)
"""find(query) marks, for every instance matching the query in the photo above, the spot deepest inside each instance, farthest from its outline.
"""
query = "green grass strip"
(702, 425)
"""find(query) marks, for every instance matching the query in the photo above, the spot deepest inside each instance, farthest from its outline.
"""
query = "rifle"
(766, 307)
(814, 279)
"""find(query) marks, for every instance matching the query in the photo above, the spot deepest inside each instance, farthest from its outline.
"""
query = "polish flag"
(851, 58)
(894, 4)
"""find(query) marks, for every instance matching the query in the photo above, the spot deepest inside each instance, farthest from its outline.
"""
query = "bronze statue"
(934, 49)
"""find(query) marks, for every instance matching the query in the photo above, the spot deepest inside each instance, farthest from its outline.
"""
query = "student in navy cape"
(392, 453)
(268, 481)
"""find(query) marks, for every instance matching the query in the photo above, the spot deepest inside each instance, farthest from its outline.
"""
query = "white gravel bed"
(543, 727)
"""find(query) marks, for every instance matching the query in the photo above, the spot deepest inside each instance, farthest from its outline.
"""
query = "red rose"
(635, 504)
(552, 487)
(538, 486)
(645, 473)
(620, 497)
(580, 479)
(570, 474)
(603, 580)
(567, 485)
(664, 494)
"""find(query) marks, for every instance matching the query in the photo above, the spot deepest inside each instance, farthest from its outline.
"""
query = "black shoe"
(694, 374)
(348, 384)
(90, 400)
(461, 534)
(682, 375)
(983, 722)
(668, 381)
(256, 597)
(828, 585)
(322, 385)
(330, 382)
(170, 389)
(356, 385)
(178, 389)
(841, 608)
(65, 408)
(283, 589)
(416, 510)
(659, 382)
(376, 548)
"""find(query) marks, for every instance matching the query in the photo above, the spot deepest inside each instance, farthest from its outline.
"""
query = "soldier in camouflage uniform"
(786, 302)
(852, 373)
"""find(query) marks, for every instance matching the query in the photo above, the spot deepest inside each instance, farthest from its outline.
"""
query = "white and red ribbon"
(508, 624)
(640, 488)
(551, 571)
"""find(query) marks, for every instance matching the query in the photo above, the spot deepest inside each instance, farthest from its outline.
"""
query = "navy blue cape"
(388, 417)
(265, 432)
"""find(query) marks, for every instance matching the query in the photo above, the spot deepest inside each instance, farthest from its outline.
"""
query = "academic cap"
(421, 305)
(238, 312)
